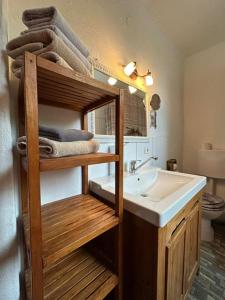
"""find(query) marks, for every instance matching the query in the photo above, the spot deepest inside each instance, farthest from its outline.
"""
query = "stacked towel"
(65, 135)
(49, 36)
(50, 17)
(49, 148)
(61, 142)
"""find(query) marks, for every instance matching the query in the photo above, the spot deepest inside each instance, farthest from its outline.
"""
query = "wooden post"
(33, 171)
(119, 190)
(84, 126)
(23, 173)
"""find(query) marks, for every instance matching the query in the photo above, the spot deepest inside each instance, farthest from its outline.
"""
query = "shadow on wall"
(8, 252)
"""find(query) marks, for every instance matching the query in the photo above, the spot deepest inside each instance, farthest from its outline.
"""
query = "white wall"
(9, 251)
(116, 32)
(204, 105)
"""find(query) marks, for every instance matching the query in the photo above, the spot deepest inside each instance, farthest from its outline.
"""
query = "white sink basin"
(154, 195)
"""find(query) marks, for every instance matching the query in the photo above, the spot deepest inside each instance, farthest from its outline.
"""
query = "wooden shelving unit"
(58, 266)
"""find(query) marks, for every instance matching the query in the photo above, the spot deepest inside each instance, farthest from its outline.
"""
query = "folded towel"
(64, 39)
(65, 135)
(37, 17)
(51, 43)
(31, 47)
(18, 63)
(49, 148)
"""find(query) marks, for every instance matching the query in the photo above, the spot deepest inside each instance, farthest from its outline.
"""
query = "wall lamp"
(131, 70)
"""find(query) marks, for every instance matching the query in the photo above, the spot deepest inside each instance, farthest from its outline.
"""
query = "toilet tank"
(211, 163)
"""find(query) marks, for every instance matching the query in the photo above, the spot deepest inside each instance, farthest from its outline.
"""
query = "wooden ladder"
(58, 266)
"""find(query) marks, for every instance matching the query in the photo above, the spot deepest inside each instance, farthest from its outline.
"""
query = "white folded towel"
(49, 148)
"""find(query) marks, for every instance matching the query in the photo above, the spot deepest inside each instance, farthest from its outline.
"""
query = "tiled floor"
(210, 283)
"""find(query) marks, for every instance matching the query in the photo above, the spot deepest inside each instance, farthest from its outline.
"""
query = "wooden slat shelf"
(76, 161)
(59, 86)
(70, 223)
(77, 276)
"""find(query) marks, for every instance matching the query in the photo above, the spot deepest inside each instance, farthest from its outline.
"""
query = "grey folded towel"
(18, 63)
(51, 42)
(65, 135)
(49, 148)
(51, 16)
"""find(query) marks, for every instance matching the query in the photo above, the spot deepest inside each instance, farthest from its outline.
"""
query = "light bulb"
(132, 89)
(112, 81)
(149, 79)
(129, 68)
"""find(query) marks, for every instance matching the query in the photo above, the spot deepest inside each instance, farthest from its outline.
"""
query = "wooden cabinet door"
(192, 245)
(175, 256)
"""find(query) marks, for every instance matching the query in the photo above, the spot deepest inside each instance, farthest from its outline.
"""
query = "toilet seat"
(212, 208)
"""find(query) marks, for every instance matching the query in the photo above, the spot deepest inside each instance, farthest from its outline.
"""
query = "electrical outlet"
(146, 150)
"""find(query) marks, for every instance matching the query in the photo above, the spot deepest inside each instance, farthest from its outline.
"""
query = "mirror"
(155, 105)
(135, 117)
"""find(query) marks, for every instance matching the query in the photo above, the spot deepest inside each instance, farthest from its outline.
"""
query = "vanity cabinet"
(161, 263)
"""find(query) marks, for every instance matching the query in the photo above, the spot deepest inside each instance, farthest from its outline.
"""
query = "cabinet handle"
(195, 204)
(177, 231)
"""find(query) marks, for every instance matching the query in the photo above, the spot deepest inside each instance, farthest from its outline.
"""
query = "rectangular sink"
(154, 194)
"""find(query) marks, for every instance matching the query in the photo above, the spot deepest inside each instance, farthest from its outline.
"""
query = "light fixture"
(130, 68)
(132, 89)
(112, 81)
(148, 79)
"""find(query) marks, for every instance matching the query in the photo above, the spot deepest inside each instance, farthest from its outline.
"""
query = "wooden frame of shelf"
(54, 231)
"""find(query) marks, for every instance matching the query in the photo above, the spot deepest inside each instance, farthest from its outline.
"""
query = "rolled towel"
(51, 43)
(37, 17)
(65, 135)
(49, 148)
(18, 63)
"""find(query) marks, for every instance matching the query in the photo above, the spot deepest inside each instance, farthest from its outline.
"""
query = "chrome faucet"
(133, 167)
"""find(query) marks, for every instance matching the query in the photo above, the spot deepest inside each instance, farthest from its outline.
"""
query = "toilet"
(211, 163)
(212, 208)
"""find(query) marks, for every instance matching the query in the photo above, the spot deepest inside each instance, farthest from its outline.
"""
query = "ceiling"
(193, 25)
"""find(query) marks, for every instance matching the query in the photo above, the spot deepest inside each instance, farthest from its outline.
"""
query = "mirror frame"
(91, 118)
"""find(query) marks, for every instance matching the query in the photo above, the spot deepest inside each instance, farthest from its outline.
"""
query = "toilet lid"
(211, 199)
(212, 202)
(214, 207)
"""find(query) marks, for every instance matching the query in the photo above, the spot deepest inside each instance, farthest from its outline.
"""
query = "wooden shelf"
(77, 276)
(70, 223)
(53, 164)
(59, 86)
(76, 161)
